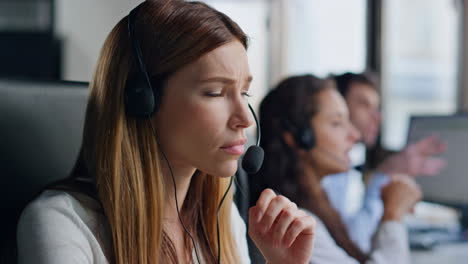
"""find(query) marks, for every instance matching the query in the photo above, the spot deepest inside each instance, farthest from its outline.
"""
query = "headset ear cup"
(139, 98)
(305, 138)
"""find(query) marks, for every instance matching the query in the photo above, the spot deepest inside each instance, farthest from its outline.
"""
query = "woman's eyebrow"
(225, 80)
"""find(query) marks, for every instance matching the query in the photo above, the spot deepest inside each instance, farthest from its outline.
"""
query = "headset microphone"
(253, 158)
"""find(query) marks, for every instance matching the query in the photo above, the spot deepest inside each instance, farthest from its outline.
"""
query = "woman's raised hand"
(282, 232)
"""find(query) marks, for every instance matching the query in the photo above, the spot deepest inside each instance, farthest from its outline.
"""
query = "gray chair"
(41, 126)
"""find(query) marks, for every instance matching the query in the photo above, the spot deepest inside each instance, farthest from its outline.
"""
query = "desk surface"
(442, 254)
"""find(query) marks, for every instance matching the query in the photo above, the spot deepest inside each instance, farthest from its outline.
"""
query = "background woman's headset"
(303, 134)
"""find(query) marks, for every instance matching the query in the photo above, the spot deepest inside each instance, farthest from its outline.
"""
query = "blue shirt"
(363, 222)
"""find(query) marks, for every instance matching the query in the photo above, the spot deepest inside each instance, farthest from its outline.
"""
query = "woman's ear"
(289, 139)
(291, 142)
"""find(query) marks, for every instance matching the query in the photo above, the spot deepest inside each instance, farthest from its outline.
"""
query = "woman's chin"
(339, 169)
(225, 169)
(229, 170)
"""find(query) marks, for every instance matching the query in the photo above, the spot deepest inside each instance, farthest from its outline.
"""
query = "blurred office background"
(415, 45)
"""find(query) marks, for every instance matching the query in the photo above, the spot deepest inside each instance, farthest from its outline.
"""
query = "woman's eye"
(336, 123)
(246, 94)
(213, 94)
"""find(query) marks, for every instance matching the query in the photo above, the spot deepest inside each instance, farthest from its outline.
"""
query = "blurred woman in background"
(306, 135)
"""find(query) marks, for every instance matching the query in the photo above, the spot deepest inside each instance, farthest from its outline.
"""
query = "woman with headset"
(165, 125)
(306, 135)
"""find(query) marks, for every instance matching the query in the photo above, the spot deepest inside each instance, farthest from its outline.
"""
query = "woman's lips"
(234, 150)
(235, 147)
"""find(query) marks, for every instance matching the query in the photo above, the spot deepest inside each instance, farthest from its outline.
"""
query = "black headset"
(304, 135)
(141, 98)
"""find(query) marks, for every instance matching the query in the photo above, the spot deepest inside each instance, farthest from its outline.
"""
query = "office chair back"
(41, 126)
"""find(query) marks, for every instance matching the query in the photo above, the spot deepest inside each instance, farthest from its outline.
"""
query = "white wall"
(254, 24)
(319, 37)
(83, 25)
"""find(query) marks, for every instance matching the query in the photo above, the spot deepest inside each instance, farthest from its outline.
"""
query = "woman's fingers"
(282, 232)
(275, 208)
(278, 220)
(304, 225)
(282, 224)
(262, 204)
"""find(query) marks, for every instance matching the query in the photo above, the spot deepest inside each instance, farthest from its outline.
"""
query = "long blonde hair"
(120, 152)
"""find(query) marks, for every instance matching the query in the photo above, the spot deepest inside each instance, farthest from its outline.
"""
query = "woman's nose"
(377, 116)
(355, 135)
(242, 116)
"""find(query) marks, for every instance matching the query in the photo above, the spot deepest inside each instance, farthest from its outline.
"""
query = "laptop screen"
(451, 185)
